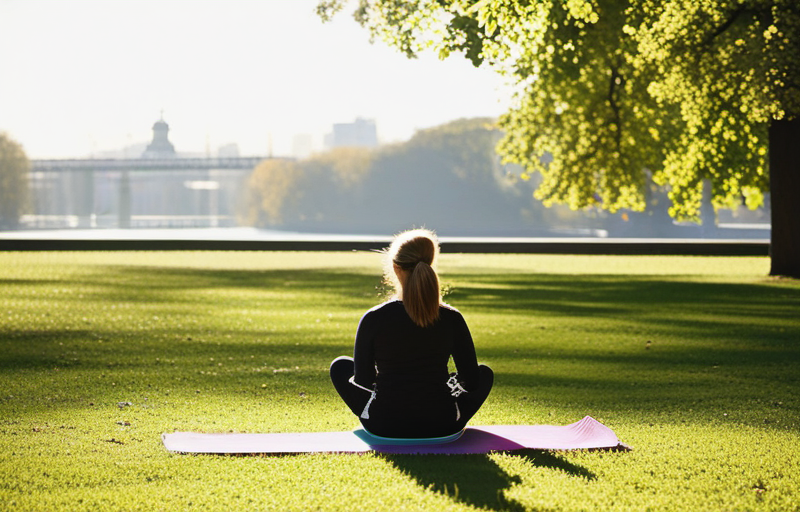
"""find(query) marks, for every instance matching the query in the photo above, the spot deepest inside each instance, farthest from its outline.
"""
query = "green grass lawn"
(694, 362)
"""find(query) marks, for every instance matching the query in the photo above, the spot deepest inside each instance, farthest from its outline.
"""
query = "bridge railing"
(146, 164)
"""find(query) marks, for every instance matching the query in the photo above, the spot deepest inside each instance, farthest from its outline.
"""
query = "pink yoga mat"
(586, 433)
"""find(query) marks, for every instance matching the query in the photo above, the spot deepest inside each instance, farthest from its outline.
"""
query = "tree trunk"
(784, 179)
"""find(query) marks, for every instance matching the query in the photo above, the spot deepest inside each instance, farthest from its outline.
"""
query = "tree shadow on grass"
(477, 480)
(723, 343)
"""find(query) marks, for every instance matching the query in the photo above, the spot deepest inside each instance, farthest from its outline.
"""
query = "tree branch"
(725, 26)
(617, 120)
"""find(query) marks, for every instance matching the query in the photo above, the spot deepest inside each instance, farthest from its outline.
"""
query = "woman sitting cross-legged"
(398, 382)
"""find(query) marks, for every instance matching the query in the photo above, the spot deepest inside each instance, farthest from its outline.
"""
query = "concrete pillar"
(84, 197)
(124, 213)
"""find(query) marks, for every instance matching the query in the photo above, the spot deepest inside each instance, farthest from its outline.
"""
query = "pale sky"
(85, 76)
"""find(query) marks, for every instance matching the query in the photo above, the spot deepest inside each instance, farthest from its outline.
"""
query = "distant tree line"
(14, 166)
(449, 178)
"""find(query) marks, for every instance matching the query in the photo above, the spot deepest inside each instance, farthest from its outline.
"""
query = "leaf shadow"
(477, 480)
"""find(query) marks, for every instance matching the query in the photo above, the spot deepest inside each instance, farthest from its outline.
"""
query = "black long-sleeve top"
(406, 365)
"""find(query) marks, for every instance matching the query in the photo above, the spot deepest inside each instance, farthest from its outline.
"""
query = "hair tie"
(407, 266)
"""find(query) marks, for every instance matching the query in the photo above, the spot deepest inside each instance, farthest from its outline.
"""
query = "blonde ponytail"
(415, 253)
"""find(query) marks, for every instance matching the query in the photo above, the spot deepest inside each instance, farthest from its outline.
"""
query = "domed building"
(161, 147)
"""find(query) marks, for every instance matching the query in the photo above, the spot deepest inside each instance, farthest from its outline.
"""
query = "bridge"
(137, 190)
(146, 164)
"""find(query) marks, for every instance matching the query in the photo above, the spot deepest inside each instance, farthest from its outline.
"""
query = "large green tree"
(685, 92)
(14, 168)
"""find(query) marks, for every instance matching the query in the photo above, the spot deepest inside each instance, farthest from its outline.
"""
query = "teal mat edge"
(372, 439)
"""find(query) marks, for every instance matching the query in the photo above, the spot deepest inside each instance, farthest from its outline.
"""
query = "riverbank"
(252, 239)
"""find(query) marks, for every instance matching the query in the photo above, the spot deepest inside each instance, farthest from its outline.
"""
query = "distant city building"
(161, 147)
(302, 145)
(228, 151)
(361, 133)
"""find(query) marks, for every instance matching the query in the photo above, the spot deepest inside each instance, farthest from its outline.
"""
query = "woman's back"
(410, 361)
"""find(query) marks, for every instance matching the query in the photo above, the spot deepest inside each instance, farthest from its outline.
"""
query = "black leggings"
(356, 397)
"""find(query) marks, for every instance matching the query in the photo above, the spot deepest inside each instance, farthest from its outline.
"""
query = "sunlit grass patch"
(692, 361)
